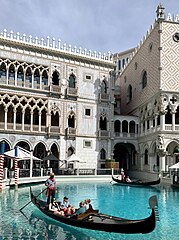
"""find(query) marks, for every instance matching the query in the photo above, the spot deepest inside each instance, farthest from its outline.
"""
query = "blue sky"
(99, 25)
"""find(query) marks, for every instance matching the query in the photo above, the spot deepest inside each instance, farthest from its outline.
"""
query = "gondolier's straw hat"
(52, 174)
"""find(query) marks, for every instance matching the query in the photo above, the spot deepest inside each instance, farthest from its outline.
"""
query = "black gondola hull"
(136, 183)
(102, 222)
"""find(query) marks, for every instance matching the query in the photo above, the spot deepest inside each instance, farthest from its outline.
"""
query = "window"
(102, 154)
(72, 81)
(144, 79)
(87, 144)
(55, 78)
(87, 112)
(88, 77)
(3, 71)
(146, 157)
(103, 87)
(129, 93)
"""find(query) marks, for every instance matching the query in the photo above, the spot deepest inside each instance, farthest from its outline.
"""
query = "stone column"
(173, 121)
(5, 118)
(14, 124)
(40, 118)
(162, 122)
(31, 121)
(23, 115)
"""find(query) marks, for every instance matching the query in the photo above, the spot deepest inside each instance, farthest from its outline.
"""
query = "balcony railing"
(103, 134)
(70, 132)
(72, 92)
(103, 97)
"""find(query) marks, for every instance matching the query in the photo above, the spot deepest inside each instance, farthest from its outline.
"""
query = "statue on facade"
(160, 142)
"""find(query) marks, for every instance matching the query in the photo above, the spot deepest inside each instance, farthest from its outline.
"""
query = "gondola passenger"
(128, 179)
(55, 208)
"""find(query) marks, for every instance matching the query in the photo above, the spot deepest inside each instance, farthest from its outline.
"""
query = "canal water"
(122, 201)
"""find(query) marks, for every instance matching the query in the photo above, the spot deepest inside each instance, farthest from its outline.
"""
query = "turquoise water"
(123, 201)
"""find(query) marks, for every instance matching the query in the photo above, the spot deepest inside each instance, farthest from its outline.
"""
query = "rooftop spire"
(160, 12)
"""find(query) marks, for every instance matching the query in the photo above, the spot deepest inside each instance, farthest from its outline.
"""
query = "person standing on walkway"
(51, 187)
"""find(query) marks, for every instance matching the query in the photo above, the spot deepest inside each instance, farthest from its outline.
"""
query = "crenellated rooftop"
(53, 44)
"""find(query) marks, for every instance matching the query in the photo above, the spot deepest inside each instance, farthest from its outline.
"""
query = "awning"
(51, 157)
(22, 154)
(175, 166)
(74, 158)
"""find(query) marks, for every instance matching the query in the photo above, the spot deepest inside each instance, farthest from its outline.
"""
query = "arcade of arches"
(125, 154)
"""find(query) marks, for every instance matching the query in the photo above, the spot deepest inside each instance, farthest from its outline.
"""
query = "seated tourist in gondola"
(88, 204)
(55, 208)
(128, 179)
(81, 208)
(67, 207)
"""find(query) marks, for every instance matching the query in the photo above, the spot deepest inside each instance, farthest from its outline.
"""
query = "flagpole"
(16, 168)
(1, 164)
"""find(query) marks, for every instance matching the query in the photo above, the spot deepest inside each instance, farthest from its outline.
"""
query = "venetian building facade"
(149, 90)
(55, 99)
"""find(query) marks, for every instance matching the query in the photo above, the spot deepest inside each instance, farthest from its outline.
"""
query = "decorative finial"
(160, 12)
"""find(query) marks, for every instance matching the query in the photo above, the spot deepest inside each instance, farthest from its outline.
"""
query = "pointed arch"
(28, 78)
(3, 72)
(11, 78)
(36, 78)
(55, 78)
(103, 87)
(20, 76)
(72, 81)
(103, 154)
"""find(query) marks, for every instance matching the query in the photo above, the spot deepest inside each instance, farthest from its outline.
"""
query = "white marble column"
(14, 124)
(162, 122)
(5, 118)
(173, 121)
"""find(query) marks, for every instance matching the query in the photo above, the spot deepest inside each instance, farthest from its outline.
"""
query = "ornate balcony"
(72, 92)
(103, 97)
(70, 132)
(103, 134)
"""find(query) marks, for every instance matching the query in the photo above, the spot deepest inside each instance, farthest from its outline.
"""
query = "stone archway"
(124, 153)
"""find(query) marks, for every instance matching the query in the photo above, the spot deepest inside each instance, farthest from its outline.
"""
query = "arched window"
(20, 77)
(146, 157)
(117, 126)
(102, 154)
(27, 116)
(55, 78)
(36, 79)
(144, 79)
(54, 119)
(44, 79)
(123, 63)
(132, 127)
(11, 75)
(177, 116)
(71, 121)
(103, 123)
(3, 72)
(168, 116)
(72, 81)
(103, 87)
(70, 151)
(43, 117)
(36, 117)
(28, 78)
(124, 126)
(129, 93)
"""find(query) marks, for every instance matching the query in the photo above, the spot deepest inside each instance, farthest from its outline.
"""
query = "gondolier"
(51, 187)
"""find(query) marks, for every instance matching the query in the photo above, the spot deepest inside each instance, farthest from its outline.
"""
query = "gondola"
(136, 183)
(94, 220)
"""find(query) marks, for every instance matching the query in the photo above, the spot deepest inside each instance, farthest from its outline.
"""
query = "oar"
(31, 200)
